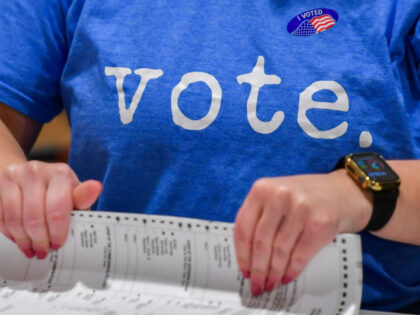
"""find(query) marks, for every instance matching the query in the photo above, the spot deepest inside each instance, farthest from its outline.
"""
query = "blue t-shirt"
(179, 106)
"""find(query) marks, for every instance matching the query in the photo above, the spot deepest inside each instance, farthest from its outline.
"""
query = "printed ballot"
(117, 263)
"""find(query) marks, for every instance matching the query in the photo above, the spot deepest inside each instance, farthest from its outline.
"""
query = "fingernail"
(55, 246)
(269, 286)
(255, 289)
(246, 274)
(40, 254)
(286, 280)
(29, 253)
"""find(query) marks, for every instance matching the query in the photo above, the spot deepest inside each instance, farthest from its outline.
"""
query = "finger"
(3, 227)
(33, 192)
(11, 198)
(265, 232)
(307, 246)
(58, 205)
(245, 223)
(285, 241)
(86, 194)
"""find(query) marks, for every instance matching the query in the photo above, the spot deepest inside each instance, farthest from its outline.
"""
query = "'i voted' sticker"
(312, 22)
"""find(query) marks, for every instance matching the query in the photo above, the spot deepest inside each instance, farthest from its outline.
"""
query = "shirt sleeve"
(33, 53)
(404, 46)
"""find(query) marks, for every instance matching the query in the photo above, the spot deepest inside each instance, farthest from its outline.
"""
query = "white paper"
(116, 263)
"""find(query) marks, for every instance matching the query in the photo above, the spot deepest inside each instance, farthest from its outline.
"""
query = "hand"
(36, 199)
(285, 221)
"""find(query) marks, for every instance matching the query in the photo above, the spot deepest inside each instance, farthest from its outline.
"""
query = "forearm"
(10, 150)
(404, 225)
(17, 135)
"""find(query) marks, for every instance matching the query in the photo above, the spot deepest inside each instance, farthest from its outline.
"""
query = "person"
(229, 111)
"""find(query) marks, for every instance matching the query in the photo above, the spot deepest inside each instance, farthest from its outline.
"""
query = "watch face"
(375, 167)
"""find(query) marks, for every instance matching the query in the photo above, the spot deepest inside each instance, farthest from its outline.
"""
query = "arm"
(36, 198)
(17, 136)
(405, 222)
(285, 221)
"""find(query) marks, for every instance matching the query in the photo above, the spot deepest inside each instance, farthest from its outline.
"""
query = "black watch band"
(384, 203)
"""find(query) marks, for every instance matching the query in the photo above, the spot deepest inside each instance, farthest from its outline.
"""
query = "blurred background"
(53, 142)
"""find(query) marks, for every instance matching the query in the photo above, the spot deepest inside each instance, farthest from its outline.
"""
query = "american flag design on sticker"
(312, 22)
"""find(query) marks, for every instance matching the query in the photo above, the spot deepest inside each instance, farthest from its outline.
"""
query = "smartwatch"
(370, 171)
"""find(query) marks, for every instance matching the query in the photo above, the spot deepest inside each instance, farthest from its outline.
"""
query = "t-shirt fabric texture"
(179, 106)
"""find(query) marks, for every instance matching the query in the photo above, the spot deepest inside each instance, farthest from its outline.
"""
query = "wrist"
(355, 203)
(9, 161)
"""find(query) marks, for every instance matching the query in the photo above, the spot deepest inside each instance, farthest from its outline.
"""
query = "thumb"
(85, 194)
